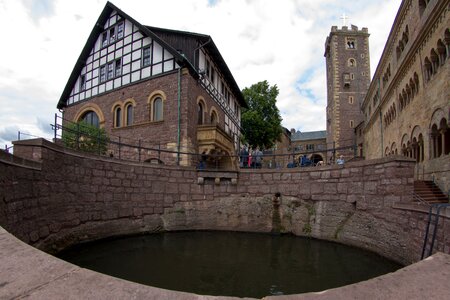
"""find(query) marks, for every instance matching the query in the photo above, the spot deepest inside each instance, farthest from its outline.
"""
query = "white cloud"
(278, 41)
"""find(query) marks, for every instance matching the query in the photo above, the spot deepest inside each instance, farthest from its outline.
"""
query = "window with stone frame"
(350, 43)
(157, 109)
(129, 110)
(117, 116)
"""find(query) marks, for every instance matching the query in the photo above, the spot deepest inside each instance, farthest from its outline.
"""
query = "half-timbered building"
(155, 88)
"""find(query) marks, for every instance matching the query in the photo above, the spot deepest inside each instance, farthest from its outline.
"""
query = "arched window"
(428, 68)
(413, 87)
(200, 110)
(422, 6)
(129, 114)
(91, 118)
(118, 116)
(444, 130)
(434, 61)
(447, 41)
(351, 62)
(416, 82)
(442, 52)
(213, 117)
(157, 109)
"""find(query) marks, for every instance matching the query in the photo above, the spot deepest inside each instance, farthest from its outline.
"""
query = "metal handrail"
(420, 199)
(438, 208)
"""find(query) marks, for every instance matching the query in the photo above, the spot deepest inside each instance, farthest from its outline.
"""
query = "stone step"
(429, 192)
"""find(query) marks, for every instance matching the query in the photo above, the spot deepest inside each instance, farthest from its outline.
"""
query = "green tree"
(85, 137)
(261, 122)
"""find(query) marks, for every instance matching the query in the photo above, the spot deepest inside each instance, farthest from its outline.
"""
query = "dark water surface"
(230, 263)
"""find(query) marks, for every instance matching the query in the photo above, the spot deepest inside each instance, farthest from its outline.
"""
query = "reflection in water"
(230, 263)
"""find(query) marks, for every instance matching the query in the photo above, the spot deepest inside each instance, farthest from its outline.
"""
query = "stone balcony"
(218, 146)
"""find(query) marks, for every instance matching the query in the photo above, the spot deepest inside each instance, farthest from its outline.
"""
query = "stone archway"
(315, 158)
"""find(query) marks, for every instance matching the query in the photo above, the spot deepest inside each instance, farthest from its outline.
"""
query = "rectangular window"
(112, 36)
(212, 75)
(102, 73)
(120, 30)
(82, 82)
(110, 74)
(146, 56)
(118, 67)
(208, 71)
(105, 39)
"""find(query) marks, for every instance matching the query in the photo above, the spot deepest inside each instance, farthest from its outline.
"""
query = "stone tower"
(348, 77)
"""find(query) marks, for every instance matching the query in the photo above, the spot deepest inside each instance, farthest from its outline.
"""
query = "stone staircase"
(427, 191)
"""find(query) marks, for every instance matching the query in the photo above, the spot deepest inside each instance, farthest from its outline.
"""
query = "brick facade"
(155, 135)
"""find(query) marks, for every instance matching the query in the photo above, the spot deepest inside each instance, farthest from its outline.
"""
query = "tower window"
(350, 99)
(351, 43)
(352, 124)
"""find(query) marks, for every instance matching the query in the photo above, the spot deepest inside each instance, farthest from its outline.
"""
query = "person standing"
(244, 157)
(258, 158)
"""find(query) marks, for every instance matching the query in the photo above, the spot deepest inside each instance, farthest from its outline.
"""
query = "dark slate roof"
(311, 135)
(181, 59)
(188, 43)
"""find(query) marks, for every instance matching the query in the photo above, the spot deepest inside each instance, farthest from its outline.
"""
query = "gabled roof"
(311, 135)
(181, 59)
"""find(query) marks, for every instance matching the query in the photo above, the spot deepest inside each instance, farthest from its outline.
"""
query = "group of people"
(250, 158)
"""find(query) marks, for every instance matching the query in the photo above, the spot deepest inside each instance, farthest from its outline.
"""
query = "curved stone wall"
(69, 197)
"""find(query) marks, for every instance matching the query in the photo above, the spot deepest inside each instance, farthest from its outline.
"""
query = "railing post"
(139, 151)
(18, 135)
(55, 128)
(78, 136)
(159, 152)
(119, 147)
(98, 142)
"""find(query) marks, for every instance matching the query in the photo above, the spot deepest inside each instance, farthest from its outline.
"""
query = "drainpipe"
(179, 116)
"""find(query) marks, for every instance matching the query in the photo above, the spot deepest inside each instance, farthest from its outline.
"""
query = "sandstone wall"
(70, 197)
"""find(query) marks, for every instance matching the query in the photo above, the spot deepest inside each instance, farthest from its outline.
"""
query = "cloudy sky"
(281, 41)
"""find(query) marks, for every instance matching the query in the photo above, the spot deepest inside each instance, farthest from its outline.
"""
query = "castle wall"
(406, 100)
(72, 197)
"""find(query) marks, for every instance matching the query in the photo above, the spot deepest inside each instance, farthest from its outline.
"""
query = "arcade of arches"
(413, 145)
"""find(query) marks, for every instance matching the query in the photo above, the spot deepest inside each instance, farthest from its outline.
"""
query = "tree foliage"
(261, 122)
(85, 137)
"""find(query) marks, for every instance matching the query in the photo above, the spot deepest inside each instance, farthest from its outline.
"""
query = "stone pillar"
(442, 132)
(435, 145)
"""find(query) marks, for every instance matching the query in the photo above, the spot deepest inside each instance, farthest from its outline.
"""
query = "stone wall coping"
(355, 164)
(28, 272)
(11, 159)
